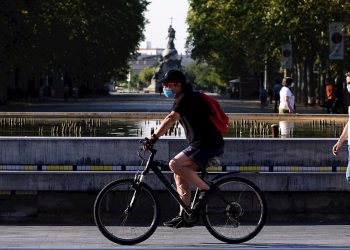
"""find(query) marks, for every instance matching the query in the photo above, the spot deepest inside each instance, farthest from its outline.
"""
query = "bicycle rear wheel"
(237, 212)
(126, 214)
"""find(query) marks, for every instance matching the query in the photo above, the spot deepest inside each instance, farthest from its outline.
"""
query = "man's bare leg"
(183, 189)
(185, 172)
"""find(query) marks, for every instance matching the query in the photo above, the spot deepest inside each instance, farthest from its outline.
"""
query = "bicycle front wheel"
(237, 212)
(126, 213)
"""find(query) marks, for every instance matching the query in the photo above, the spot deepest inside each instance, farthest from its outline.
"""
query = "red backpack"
(218, 116)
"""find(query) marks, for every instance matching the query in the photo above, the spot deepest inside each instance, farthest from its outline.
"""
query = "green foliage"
(236, 37)
(146, 75)
(87, 39)
(224, 34)
(134, 81)
(203, 75)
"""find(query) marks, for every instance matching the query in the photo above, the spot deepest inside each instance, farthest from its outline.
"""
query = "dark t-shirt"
(194, 118)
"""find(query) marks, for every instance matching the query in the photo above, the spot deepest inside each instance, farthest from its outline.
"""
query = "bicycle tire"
(237, 212)
(122, 226)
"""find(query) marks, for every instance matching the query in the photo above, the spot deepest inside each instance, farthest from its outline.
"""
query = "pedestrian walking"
(345, 134)
(287, 99)
(276, 94)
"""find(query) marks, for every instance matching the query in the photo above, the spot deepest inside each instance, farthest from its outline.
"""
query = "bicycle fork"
(136, 186)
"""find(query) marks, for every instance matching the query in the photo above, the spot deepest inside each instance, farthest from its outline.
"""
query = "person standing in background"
(287, 99)
(338, 105)
(329, 97)
(276, 94)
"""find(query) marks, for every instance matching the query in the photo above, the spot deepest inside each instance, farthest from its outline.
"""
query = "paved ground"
(141, 103)
(88, 237)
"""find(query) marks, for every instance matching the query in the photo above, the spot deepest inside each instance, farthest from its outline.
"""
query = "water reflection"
(106, 127)
(286, 129)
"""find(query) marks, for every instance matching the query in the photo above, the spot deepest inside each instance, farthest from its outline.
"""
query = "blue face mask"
(348, 87)
(168, 93)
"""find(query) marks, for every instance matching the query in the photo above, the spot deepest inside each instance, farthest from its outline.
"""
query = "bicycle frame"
(155, 166)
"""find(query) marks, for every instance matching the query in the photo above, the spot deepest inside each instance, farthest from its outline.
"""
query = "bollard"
(274, 128)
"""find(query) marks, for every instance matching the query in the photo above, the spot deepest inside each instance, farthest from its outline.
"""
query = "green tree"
(92, 41)
(225, 35)
(308, 35)
(241, 37)
(146, 75)
(204, 76)
(134, 81)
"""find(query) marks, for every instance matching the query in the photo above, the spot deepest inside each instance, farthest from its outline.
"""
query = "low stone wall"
(303, 193)
(122, 151)
(89, 181)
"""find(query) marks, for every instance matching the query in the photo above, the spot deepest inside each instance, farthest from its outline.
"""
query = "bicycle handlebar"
(147, 145)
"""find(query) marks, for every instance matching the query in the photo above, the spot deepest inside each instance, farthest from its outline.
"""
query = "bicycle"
(127, 211)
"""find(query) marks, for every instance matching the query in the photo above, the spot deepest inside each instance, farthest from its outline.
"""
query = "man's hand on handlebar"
(148, 143)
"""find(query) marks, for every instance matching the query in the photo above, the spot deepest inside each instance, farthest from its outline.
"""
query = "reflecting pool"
(113, 127)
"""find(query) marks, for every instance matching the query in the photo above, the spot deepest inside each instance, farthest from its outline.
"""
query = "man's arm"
(342, 138)
(167, 123)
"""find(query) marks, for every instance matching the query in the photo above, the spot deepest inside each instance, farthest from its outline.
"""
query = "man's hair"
(177, 76)
(347, 74)
(287, 81)
(174, 75)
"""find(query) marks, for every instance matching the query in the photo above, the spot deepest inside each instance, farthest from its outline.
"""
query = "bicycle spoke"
(237, 213)
(123, 217)
(119, 212)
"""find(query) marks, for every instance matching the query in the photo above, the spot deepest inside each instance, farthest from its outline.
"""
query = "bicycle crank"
(190, 218)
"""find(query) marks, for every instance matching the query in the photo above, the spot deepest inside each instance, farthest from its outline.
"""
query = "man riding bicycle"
(204, 139)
